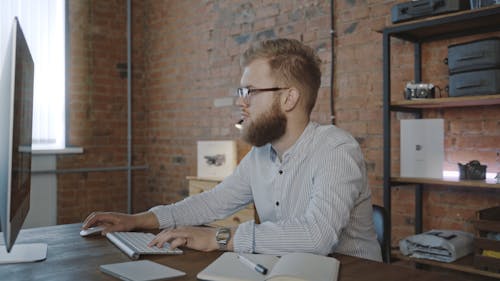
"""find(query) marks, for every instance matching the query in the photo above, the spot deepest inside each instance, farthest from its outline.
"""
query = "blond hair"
(291, 61)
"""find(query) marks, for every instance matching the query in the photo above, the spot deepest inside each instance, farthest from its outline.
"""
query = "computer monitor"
(16, 111)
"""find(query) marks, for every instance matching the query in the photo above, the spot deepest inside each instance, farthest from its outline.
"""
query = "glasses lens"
(243, 92)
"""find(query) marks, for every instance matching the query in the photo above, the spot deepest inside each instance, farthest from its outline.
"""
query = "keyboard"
(135, 244)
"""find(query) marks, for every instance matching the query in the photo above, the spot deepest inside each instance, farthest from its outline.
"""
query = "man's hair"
(292, 62)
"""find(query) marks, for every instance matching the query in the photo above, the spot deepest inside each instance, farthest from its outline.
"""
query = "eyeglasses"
(245, 92)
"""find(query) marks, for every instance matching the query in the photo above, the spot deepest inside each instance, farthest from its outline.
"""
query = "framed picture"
(216, 159)
(422, 148)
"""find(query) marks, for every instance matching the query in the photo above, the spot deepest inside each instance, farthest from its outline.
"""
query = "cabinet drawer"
(199, 185)
(237, 218)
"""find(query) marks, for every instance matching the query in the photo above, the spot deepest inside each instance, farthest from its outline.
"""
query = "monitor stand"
(23, 253)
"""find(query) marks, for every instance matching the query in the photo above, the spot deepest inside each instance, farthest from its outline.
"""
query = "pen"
(257, 267)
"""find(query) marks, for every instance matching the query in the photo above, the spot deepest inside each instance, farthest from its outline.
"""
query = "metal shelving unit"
(454, 25)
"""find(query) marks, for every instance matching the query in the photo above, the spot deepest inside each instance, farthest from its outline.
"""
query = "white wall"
(43, 205)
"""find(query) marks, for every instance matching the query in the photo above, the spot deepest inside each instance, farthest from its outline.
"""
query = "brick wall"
(98, 106)
(185, 60)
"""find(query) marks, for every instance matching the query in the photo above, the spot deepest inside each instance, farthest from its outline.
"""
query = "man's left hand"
(195, 237)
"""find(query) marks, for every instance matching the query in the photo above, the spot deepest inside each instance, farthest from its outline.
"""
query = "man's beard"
(268, 127)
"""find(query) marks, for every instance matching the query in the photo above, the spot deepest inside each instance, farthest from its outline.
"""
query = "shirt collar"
(304, 138)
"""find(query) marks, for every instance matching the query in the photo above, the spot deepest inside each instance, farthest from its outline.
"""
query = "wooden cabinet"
(198, 185)
(456, 25)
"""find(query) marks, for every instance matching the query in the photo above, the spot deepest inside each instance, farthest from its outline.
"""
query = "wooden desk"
(71, 257)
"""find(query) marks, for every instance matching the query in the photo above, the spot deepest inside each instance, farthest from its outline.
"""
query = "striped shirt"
(316, 199)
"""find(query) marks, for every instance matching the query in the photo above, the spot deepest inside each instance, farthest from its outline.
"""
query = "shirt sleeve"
(228, 197)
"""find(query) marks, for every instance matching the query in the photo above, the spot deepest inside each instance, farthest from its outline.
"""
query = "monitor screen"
(16, 107)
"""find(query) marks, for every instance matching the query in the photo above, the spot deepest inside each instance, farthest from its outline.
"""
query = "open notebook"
(294, 266)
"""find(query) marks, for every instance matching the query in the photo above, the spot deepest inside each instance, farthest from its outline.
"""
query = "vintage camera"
(472, 171)
(419, 91)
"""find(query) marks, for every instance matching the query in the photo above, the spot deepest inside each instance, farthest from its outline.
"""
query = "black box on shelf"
(474, 68)
(475, 55)
(475, 83)
(486, 3)
(425, 8)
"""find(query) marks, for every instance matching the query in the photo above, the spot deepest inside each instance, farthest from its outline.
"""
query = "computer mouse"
(91, 230)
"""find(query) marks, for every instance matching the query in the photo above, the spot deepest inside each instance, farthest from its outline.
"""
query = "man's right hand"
(120, 222)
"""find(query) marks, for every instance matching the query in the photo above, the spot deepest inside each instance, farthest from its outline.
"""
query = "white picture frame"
(422, 148)
(216, 159)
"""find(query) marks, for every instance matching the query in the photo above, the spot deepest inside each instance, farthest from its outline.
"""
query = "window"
(43, 24)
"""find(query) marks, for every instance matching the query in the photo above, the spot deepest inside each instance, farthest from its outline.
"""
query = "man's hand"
(194, 237)
(120, 222)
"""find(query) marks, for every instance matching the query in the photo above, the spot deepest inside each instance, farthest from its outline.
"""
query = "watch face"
(222, 235)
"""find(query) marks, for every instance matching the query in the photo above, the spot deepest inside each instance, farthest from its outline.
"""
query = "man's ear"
(291, 99)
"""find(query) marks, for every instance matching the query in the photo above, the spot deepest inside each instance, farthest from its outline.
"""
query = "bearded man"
(307, 181)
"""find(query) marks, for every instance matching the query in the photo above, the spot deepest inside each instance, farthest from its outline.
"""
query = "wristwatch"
(222, 237)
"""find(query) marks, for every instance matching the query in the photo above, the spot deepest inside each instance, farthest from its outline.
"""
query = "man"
(308, 182)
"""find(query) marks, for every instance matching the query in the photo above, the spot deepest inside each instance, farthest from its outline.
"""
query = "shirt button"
(280, 171)
(277, 203)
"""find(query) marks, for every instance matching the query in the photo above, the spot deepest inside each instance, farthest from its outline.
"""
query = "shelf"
(446, 102)
(448, 26)
(436, 28)
(488, 183)
(464, 264)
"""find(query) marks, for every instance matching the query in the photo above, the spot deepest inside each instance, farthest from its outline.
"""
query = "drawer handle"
(470, 85)
(472, 56)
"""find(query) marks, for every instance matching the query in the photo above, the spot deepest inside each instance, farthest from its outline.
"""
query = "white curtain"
(43, 24)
